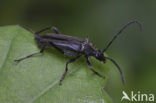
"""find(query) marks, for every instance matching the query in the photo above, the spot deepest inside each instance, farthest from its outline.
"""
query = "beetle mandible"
(73, 46)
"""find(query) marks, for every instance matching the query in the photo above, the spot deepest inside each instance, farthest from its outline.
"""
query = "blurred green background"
(135, 51)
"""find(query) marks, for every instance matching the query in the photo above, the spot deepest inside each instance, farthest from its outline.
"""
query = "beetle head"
(99, 55)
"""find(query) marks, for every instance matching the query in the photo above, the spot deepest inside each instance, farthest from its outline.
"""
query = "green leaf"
(36, 80)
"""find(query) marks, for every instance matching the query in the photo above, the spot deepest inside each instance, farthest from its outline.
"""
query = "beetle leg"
(56, 30)
(28, 56)
(40, 31)
(91, 68)
(27, 28)
(66, 69)
(50, 27)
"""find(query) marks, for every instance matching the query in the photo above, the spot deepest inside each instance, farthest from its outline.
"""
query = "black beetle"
(76, 47)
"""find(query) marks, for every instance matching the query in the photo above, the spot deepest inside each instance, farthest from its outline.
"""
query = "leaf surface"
(36, 80)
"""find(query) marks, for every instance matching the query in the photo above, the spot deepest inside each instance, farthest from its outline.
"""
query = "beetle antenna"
(121, 73)
(123, 28)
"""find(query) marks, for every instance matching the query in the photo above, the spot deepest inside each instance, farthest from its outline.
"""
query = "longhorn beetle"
(73, 46)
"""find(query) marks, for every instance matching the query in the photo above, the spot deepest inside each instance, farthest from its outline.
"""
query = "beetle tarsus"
(63, 76)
